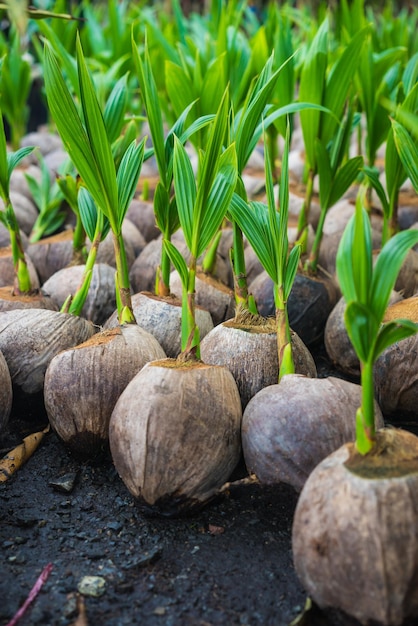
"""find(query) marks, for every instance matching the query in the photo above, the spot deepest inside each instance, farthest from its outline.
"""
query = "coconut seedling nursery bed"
(208, 313)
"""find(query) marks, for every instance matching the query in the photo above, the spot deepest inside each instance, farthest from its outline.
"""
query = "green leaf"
(185, 188)
(127, 177)
(178, 262)
(152, 107)
(324, 174)
(70, 128)
(372, 174)
(88, 212)
(345, 176)
(253, 220)
(339, 82)
(115, 109)
(219, 198)
(311, 89)
(359, 323)
(13, 159)
(387, 268)
(98, 139)
(291, 270)
(391, 332)
(407, 150)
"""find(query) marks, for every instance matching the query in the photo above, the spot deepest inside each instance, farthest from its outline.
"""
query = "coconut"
(6, 394)
(396, 369)
(51, 254)
(288, 428)
(82, 384)
(162, 318)
(355, 531)
(30, 338)
(311, 300)
(101, 298)
(337, 342)
(8, 273)
(37, 300)
(141, 213)
(175, 434)
(247, 346)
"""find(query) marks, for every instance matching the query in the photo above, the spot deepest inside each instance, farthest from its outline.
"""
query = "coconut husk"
(288, 428)
(82, 384)
(355, 531)
(6, 394)
(175, 434)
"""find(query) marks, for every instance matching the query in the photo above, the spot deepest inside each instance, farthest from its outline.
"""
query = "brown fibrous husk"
(355, 531)
(175, 434)
(288, 428)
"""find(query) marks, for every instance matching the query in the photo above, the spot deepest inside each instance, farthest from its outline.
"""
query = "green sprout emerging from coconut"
(202, 205)
(266, 229)
(90, 150)
(8, 162)
(366, 289)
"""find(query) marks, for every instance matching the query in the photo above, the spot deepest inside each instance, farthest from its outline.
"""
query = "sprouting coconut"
(175, 430)
(83, 386)
(80, 394)
(259, 351)
(355, 530)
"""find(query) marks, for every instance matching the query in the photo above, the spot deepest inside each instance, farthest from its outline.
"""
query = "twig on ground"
(32, 594)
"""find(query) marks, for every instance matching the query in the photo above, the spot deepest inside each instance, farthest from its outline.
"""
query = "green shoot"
(366, 289)
(90, 150)
(266, 230)
(164, 205)
(48, 199)
(15, 83)
(202, 205)
(8, 161)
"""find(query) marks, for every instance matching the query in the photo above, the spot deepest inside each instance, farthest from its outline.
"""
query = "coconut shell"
(355, 531)
(162, 318)
(396, 379)
(7, 269)
(144, 269)
(30, 338)
(141, 213)
(6, 394)
(101, 298)
(337, 342)
(288, 428)
(51, 254)
(9, 301)
(175, 434)
(82, 384)
(250, 354)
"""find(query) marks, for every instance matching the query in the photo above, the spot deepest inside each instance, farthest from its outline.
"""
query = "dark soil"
(229, 564)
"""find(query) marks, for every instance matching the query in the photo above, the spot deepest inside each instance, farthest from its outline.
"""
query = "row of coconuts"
(177, 429)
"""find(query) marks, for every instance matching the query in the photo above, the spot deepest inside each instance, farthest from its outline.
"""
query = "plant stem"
(190, 330)
(304, 213)
(23, 283)
(311, 264)
(238, 264)
(284, 346)
(365, 424)
(74, 305)
(162, 281)
(125, 312)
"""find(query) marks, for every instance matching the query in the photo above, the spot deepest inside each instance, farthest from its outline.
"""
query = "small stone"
(64, 483)
(160, 610)
(93, 586)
